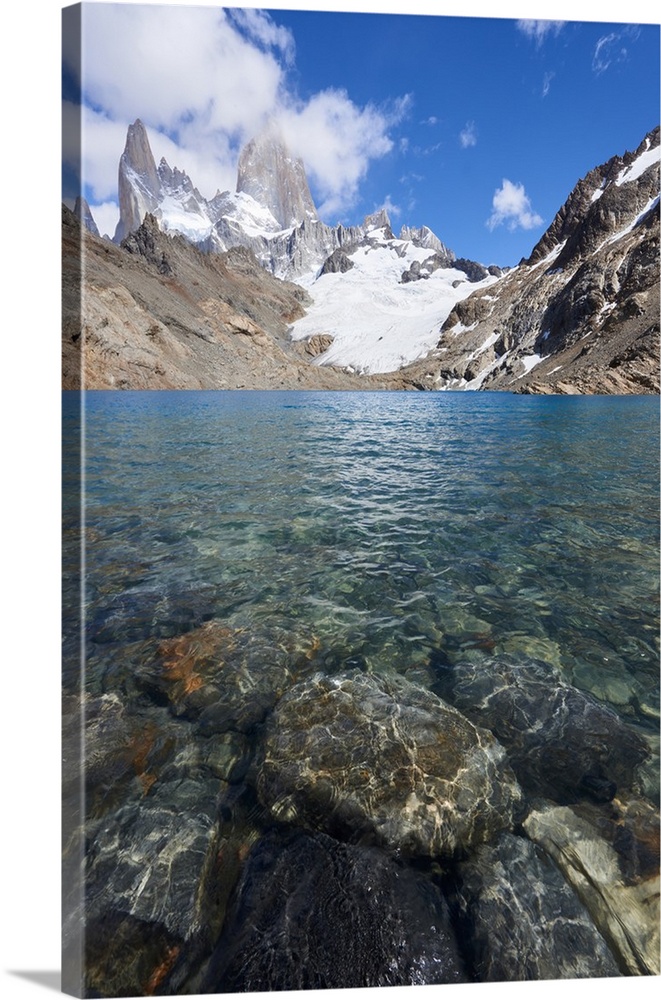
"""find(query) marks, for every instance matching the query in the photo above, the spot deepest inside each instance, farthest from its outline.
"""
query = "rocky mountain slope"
(156, 313)
(581, 314)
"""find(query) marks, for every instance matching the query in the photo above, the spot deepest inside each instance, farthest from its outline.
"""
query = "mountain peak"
(424, 237)
(269, 173)
(83, 213)
(377, 220)
(139, 184)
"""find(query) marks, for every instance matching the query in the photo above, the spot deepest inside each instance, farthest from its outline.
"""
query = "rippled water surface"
(240, 545)
(389, 524)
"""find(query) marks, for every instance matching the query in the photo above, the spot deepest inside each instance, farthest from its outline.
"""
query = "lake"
(387, 536)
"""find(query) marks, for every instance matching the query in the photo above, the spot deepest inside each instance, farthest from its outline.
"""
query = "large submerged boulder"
(561, 742)
(522, 921)
(224, 678)
(365, 757)
(312, 913)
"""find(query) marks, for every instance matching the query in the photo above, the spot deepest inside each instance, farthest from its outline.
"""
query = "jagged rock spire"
(275, 179)
(424, 237)
(83, 213)
(139, 183)
(377, 220)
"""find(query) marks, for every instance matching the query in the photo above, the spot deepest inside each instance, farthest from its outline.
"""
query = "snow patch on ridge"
(174, 216)
(253, 218)
(550, 257)
(639, 166)
(529, 361)
(378, 323)
(653, 202)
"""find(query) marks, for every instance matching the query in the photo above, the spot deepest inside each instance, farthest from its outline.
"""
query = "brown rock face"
(158, 314)
(139, 183)
(275, 179)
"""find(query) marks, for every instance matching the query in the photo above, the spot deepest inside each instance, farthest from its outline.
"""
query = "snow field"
(380, 324)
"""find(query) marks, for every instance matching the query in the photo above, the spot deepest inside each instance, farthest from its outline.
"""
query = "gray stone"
(522, 921)
(471, 268)
(144, 240)
(139, 183)
(337, 262)
(150, 859)
(624, 906)
(275, 179)
(83, 212)
(561, 742)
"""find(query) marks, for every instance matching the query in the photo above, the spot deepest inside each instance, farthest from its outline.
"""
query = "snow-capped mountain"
(171, 197)
(385, 314)
(271, 212)
(581, 313)
(383, 307)
(274, 178)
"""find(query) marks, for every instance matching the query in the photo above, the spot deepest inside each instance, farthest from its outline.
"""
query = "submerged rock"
(560, 741)
(150, 862)
(226, 679)
(312, 913)
(521, 919)
(125, 956)
(150, 904)
(631, 826)
(383, 759)
(624, 905)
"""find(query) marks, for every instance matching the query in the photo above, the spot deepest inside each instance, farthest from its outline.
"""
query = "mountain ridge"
(581, 313)
(587, 296)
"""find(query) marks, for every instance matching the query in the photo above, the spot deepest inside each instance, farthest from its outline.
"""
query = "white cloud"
(173, 66)
(511, 206)
(204, 81)
(259, 26)
(426, 150)
(394, 211)
(337, 140)
(97, 153)
(601, 59)
(468, 135)
(611, 48)
(539, 31)
(106, 217)
(546, 84)
(432, 120)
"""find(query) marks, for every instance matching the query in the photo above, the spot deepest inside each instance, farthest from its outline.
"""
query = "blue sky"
(476, 127)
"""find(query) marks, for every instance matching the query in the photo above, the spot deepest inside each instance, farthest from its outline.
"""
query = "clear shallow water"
(390, 532)
(388, 524)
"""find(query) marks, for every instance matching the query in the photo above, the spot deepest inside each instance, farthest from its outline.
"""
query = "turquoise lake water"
(277, 535)
(390, 524)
